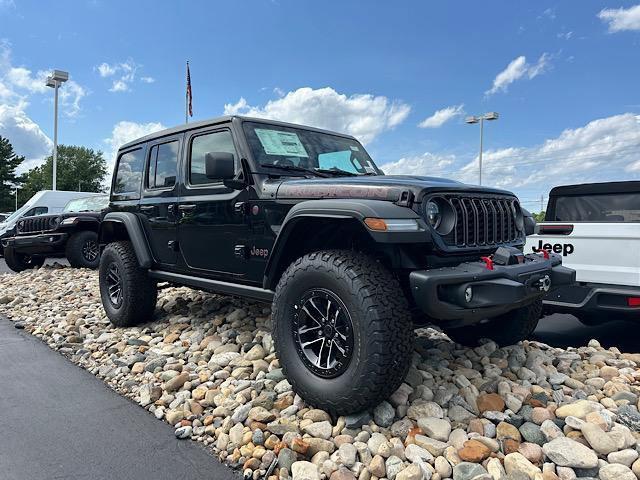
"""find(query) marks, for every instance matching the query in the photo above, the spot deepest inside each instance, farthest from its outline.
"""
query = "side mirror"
(219, 165)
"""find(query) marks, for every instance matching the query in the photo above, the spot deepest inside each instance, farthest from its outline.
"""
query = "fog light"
(468, 294)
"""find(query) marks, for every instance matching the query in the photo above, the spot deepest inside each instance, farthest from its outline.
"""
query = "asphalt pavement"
(59, 421)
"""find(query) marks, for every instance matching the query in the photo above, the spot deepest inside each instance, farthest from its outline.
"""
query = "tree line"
(79, 169)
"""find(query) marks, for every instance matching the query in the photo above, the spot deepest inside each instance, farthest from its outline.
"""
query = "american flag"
(189, 93)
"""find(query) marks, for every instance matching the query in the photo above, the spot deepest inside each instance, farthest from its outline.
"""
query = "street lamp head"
(491, 116)
(56, 78)
(60, 75)
(471, 120)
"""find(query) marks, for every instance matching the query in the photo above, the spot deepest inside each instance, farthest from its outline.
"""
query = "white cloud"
(363, 115)
(106, 70)
(602, 150)
(70, 95)
(125, 73)
(22, 78)
(18, 87)
(25, 135)
(440, 117)
(517, 69)
(125, 131)
(620, 19)
(425, 164)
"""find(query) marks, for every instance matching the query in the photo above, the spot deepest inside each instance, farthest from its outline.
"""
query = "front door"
(158, 205)
(213, 230)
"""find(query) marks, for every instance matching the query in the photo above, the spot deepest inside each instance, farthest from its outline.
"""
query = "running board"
(216, 286)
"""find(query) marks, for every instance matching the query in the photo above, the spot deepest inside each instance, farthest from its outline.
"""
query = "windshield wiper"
(293, 168)
(336, 171)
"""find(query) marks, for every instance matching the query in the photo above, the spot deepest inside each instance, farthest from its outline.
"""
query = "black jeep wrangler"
(72, 234)
(352, 259)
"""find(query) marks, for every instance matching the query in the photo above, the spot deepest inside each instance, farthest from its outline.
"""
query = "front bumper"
(443, 293)
(46, 243)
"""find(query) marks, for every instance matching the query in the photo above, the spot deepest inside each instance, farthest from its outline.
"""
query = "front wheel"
(507, 329)
(128, 294)
(82, 250)
(342, 329)
(19, 262)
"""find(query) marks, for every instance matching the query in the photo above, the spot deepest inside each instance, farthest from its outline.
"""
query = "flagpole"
(186, 100)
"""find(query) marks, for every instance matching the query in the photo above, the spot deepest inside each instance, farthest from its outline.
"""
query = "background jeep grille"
(37, 224)
(482, 221)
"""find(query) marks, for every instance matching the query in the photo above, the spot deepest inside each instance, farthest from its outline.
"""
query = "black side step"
(216, 286)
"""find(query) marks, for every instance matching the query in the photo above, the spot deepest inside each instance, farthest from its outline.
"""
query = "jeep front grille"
(482, 221)
(37, 224)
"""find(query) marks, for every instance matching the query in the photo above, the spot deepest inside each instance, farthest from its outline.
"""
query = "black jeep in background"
(352, 259)
(72, 234)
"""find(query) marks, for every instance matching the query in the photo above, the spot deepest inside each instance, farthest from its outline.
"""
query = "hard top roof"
(226, 118)
(596, 188)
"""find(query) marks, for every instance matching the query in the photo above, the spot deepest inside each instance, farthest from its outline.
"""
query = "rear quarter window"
(129, 174)
(615, 207)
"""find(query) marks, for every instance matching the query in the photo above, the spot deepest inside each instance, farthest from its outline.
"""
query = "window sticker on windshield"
(354, 148)
(276, 142)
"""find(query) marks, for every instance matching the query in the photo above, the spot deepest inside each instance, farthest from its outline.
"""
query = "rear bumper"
(593, 298)
(46, 243)
(441, 293)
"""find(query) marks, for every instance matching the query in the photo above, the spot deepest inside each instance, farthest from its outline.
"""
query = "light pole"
(480, 119)
(16, 187)
(54, 81)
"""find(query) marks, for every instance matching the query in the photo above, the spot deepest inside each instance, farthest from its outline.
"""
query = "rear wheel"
(128, 294)
(507, 329)
(82, 250)
(342, 330)
(19, 262)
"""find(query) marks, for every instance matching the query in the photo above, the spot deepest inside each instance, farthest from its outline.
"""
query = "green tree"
(9, 161)
(79, 168)
(539, 216)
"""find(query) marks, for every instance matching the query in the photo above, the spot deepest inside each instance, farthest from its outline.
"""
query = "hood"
(381, 187)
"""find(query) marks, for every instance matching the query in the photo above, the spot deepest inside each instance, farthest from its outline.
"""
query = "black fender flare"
(135, 233)
(343, 209)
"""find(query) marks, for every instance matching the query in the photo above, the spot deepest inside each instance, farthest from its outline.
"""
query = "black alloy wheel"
(114, 284)
(90, 250)
(323, 332)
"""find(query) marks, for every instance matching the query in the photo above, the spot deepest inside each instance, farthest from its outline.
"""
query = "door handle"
(186, 207)
(147, 208)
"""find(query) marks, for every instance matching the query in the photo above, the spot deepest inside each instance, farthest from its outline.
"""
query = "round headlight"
(433, 214)
(54, 222)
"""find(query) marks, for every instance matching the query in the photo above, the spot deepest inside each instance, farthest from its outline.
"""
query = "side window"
(36, 211)
(163, 165)
(220, 141)
(129, 173)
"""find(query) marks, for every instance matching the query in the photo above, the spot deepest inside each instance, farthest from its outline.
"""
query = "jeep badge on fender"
(352, 260)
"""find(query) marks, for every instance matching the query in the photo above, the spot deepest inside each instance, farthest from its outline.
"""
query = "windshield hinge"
(405, 199)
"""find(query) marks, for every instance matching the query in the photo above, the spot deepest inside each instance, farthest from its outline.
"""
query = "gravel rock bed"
(206, 365)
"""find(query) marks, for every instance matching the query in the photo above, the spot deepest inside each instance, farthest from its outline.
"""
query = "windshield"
(296, 147)
(87, 204)
(615, 207)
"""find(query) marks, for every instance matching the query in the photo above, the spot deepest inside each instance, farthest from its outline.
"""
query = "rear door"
(597, 235)
(158, 205)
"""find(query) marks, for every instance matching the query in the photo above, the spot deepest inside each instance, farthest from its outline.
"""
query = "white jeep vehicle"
(596, 229)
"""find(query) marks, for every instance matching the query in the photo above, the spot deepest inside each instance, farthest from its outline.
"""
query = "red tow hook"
(545, 253)
(488, 262)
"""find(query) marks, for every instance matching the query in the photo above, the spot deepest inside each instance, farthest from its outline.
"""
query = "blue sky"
(565, 78)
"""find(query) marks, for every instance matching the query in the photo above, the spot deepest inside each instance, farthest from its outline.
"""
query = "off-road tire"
(19, 262)
(139, 292)
(507, 329)
(75, 249)
(382, 329)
